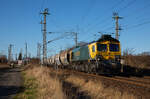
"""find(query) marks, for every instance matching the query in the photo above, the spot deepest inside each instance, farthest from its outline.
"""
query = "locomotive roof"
(102, 39)
(107, 38)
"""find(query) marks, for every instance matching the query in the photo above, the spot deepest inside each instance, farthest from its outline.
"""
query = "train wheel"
(86, 68)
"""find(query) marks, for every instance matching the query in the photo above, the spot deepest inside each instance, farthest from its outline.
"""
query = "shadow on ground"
(6, 91)
(72, 92)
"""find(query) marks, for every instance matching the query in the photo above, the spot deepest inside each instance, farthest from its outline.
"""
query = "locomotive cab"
(105, 49)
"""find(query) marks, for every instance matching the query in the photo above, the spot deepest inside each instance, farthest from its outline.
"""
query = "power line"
(127, 5)
(113, 7)
(138, 10)
(106, 18)
(108, 28)
(89, 9)
(42, 4)
(138, 25)
(75, 34)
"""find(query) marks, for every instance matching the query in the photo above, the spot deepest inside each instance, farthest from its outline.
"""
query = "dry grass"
(47, 87)
(97, 90)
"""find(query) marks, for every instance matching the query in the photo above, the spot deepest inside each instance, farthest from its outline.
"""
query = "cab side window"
(93, 48)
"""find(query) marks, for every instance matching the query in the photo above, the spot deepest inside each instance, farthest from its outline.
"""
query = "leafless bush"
(140, 60)
(34, 60)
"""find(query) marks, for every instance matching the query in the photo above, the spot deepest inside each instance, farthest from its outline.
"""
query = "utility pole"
(117, 17)
(10, 53)
(26, 51)
(76, 38)
(39, 51)
(44, 13)
(16, 57)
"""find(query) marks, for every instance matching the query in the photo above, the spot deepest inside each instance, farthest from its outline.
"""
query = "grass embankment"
(39, 85)
(97, 90)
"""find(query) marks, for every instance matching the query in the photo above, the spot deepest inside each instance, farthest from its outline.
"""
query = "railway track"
(141, 82)
(137, 81)
(132, 81)
(138, 86)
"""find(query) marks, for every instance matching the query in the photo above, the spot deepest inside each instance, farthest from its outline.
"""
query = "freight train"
(101, 56)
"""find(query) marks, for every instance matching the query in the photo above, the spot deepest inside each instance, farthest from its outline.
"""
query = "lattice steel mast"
(10, 53)
(117, 17)
(44, 13)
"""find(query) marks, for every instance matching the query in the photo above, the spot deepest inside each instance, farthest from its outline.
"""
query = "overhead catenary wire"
(138, 10)
(105, 19)
(86, 14)
(139, 16)
(138, 25)
(131, 2)
(42, 4)
(126, 6)
(88, 11)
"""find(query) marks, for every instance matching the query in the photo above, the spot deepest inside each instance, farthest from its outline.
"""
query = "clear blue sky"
(19, 23)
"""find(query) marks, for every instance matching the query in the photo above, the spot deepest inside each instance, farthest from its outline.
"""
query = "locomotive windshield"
(102, 47)
(114, 47)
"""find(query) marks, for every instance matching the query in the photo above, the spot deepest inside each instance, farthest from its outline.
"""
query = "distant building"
(3, 59)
